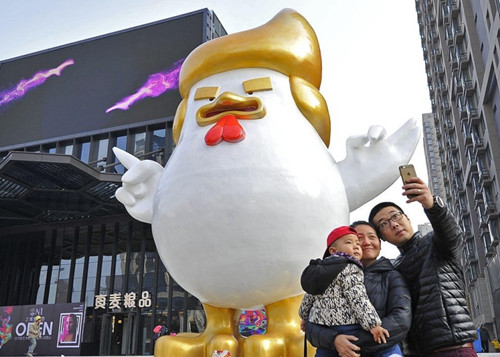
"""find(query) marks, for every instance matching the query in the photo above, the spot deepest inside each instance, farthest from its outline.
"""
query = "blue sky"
(373, 69)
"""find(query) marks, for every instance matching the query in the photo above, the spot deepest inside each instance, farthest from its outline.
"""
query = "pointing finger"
(142, 171)
(125, 158)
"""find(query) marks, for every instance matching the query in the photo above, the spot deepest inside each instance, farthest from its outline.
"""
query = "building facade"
(65, 238)
(460, 42)
(431, 149)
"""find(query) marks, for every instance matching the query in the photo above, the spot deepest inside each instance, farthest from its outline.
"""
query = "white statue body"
(236, 223)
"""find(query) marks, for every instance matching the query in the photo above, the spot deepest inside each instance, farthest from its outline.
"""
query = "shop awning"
(44, 188)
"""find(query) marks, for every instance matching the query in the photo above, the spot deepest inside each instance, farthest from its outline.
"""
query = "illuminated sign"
(114, 81)
(129, 300)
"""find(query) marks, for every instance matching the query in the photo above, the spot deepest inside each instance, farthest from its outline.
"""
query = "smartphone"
(407, 171)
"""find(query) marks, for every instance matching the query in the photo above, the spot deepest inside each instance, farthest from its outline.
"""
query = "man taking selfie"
(441, 323)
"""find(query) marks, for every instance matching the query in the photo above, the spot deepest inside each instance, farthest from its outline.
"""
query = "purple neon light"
(26, 85)
(157, 84)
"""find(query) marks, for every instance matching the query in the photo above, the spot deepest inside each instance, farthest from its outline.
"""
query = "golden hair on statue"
(287, 44)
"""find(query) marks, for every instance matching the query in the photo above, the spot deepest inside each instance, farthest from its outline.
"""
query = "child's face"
(347, 244)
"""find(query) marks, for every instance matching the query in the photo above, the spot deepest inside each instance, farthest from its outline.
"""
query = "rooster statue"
(251, 189)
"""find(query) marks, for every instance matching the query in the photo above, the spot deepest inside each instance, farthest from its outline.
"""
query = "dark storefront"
(115, 258)
(64, 237)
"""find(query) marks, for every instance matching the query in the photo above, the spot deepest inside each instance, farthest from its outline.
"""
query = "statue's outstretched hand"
(372, 161)
(139, 185)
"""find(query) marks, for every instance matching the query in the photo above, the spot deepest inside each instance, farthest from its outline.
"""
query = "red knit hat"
(336, 234)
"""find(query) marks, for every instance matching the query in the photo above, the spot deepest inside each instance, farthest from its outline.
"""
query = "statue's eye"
(257, 85)
(206, 93)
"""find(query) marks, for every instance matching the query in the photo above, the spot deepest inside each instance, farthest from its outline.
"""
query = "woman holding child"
(388, 293)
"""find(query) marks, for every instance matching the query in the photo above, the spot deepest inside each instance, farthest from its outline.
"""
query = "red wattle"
(227, 128)
(232, 131)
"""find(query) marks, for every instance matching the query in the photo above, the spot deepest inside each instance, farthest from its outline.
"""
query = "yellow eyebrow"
(206, 93)
(257, 84)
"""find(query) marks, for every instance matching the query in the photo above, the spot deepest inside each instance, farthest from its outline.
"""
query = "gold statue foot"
(218, 335)
(283, 337)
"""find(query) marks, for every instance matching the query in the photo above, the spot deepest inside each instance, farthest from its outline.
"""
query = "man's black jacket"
(431, 266)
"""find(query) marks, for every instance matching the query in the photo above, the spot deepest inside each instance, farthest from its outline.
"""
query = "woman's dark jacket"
(432, 268)
(388, 292)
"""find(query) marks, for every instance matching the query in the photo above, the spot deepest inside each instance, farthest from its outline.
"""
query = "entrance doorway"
(119, 334)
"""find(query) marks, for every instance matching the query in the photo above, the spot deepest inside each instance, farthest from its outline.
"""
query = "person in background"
(496, 344)
(485, 339)
(335, 295)
(441, 323)
(159, 330)
(34, 334)
(387, 291)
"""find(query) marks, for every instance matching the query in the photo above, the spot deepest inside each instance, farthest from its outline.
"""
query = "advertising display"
(111, 81)
(61, 329)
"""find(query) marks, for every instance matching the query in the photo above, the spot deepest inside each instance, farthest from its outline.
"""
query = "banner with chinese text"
(61, 329)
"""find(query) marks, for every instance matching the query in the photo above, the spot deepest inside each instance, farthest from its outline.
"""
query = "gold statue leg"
(218, 335)
(283, 337)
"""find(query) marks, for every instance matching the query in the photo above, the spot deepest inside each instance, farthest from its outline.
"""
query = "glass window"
(158, 141)
(487, 195)
(90, 283)
(162, 290)
(474, 269)
(105, 274)
(92, 272)
(64, 269)
(196, 319)
(77, 286)
(149, 268)
(41, 281)
(89, 297)
(104, 285)
(139, 144)
(85, 152)
(493, 228)
(53, 285)
(121, 143)
(62, 290)
(121, 260)
(102, 152)
(79, 266)
(481, 162)
(75, 296)
(68, 150)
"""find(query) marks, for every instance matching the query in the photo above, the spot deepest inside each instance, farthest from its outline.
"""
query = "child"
(496, 345)
(335, 293)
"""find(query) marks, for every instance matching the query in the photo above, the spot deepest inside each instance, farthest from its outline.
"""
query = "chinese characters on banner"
(128, 301)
